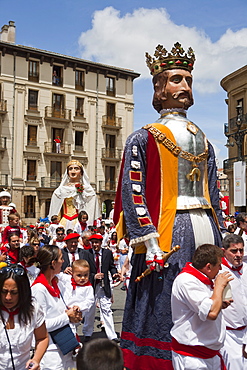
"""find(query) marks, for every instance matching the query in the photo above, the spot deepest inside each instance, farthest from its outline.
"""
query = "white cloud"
(123, 40)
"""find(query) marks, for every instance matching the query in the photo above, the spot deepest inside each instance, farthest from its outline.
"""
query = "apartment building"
(235, 84)
(54, 108)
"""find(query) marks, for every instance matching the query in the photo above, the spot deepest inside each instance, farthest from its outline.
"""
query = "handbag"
(65, 339)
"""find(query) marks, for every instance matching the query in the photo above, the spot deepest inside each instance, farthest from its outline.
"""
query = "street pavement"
(119, 297)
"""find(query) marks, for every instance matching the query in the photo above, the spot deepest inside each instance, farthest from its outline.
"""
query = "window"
(32, 135)
(57, 135)
(79, 80)
(79, 140)
(79, 107)
(110, 143)
(33, 71)
(31, 170)
(240, 107)
(56, 170)
(110, 86)
(57, 76)
(29, 206)
(110, 178)
(110, 112)
(32, 99)
(58, 106)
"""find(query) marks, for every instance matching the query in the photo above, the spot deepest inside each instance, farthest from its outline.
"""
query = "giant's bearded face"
(173, 89)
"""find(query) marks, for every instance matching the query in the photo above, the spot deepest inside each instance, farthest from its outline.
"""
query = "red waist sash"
(196, 351)
(239, 328)
(70, 218)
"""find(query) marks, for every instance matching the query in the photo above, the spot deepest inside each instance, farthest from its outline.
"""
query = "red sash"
(196, 351)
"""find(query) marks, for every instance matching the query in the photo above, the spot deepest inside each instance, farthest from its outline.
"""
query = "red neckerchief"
(11, 313)
(14, 255)
(199, 275)
(59, 241)
(126, 241)
(74, 284)
(53, 290)
(83, 225)
(225, 263)
(23, 265)
(87, 247)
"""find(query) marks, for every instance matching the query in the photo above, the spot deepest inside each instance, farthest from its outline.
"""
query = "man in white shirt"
(59, 239)
(236, 314)
(199, 328)
(241, 221)
(71, 252)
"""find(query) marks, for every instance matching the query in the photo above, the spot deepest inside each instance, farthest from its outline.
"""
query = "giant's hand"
(154, 255)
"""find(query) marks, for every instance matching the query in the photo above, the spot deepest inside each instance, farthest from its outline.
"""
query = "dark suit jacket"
(66, 262)
(107, 265)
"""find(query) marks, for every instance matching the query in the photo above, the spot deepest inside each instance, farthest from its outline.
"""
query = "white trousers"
(105, 313)
(232, 350)
(55, 360)
(181, 362)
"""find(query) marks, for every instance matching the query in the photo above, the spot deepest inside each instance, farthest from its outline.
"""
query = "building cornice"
(28, 52)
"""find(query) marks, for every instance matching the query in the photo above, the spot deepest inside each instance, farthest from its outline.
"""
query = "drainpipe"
(97, 130)
(13, 128)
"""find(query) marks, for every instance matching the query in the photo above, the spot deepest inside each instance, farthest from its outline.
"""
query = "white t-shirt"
(20, 338)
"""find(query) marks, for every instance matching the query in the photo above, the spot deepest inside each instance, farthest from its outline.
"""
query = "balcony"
(228, 163)
(4, 180)
(111, 154)
(3, 143)
(57, 113)
(232, 127)
(50, 147)
(112, 122)
(3, 106)
(108, 186)
(50, 182)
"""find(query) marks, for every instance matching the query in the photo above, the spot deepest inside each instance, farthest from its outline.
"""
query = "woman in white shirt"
(57, 314)
(21, 318)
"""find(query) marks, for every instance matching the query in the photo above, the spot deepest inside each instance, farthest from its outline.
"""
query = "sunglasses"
(35, 244)
(59, 234)
(16, 269)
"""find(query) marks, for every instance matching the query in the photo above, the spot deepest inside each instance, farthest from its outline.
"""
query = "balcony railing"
(50, 182)
(34, 77)
(3, 143)
(108, 186)
(31, 177)
(32, 142)
(4, 180)
(57, 81)
(112, 121)
(233, 125)
(111, 153)
(50, 147)
(110, 92)
(52, 112)
(228, 163)
(3, 106)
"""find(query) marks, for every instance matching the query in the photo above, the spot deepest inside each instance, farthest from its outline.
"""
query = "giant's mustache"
(177, 94)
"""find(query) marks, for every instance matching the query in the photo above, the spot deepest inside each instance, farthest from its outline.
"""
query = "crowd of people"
(64, 276)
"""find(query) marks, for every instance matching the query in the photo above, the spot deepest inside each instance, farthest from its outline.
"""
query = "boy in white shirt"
(78, 289)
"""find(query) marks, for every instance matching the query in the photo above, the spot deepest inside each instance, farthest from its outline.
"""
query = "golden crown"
(177, 58)
(75, 163)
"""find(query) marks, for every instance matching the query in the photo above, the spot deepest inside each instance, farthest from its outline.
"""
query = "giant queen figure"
(167, 196)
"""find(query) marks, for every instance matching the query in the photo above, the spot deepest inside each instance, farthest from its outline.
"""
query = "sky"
(119, 33)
